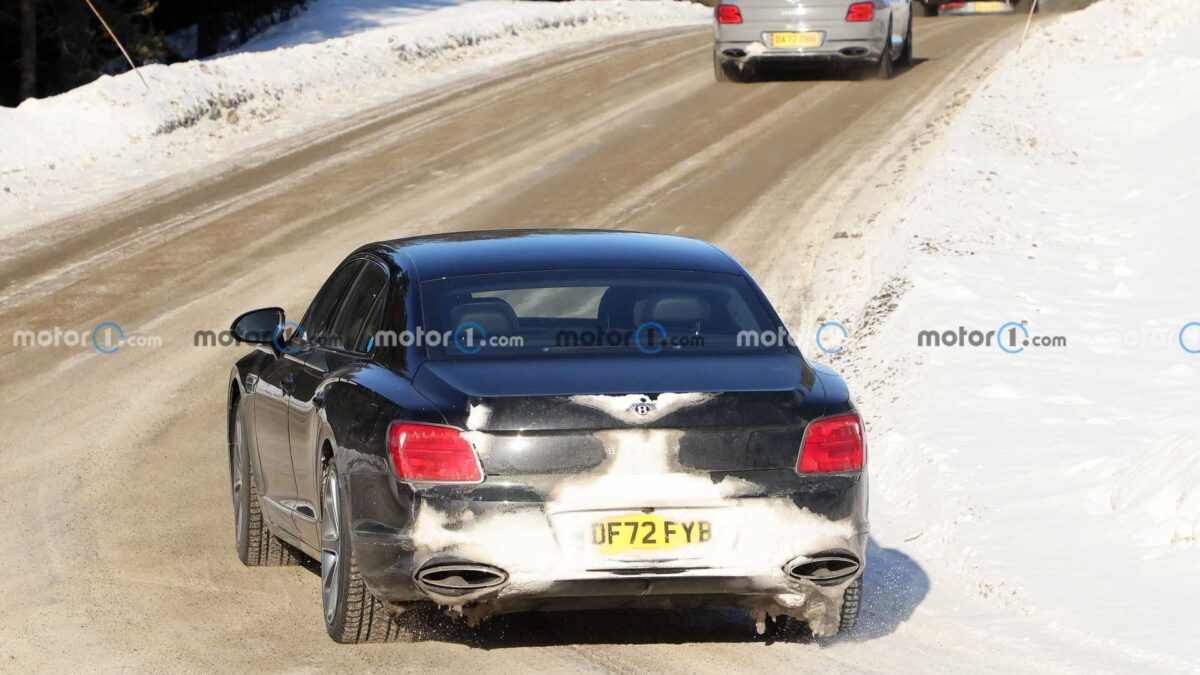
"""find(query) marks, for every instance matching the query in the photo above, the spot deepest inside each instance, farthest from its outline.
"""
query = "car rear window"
(593, 312)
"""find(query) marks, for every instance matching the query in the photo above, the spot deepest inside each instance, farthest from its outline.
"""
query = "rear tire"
(886, 68)
(784, 629)
(256, 546)
(352, 614)
(932, 9)
(720, 74)
(851, 604)
(781, 628)
(906, 55)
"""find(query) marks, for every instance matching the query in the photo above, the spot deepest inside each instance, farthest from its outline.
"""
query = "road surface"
(116, 536)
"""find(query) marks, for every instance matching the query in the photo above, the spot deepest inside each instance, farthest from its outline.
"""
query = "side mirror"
(260, 326)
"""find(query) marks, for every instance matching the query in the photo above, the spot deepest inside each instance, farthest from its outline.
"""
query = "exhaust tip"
(827, 568)
(855, 51)
(451, 578)
(734, 53)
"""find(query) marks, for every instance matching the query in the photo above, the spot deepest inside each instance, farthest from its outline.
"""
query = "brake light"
(861, 11)
(832, 444)
(729, 14)
(425, 453)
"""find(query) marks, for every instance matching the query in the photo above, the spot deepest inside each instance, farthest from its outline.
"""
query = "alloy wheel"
(330, 544)
(237, 478)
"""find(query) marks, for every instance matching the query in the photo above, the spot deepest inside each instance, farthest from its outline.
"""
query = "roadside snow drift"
(1050, 473)
(89, 145)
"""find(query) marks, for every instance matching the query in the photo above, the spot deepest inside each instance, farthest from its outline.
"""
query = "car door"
(272, 401)
(276, 480)
(347, 343)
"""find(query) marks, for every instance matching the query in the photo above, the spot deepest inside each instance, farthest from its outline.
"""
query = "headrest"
(493, 314)
(671, 309)
(616, 307)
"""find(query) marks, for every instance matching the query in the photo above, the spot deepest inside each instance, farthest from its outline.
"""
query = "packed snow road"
(116, 536)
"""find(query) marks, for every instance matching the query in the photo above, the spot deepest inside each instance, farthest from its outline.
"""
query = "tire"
(906, 55)
(256, 546)
(720, 74)
(932, 9)
(352, 614)
(851, 604)
(783, 628)
(886, 68)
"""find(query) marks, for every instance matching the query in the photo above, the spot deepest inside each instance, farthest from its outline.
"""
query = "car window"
(359, 315)
(595, 313)
(318, 320)
(582, 302)
(366, 337)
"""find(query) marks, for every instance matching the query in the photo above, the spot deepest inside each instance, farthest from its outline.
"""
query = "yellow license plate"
(809, 39)
(990, 7)
(647, 531)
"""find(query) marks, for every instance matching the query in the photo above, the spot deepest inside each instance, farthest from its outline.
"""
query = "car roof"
(493, 251)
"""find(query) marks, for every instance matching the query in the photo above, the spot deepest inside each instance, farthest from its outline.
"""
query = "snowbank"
(1058, 486)
(342, 57)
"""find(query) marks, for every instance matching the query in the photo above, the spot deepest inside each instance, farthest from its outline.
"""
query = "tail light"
(861, 11)
(426, 453)
(729, 14)
(832, 444)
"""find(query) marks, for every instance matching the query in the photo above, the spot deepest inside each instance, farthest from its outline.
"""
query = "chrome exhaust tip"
(459, 578)
(854, 51)
(734, 53)
(827, 568)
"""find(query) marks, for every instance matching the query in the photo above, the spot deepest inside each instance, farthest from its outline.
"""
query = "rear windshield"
(598, 312)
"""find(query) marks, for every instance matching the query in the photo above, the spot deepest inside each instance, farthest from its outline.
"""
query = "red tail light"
(832, 444)
(424, 453)
(861, 11)
(729, 14)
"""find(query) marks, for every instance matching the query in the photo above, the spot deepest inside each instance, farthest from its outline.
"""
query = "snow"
(328, 19)
(1051, 496)
(339, 59)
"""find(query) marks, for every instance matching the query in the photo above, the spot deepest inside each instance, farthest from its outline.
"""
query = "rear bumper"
(841, 41)
(531, 533)
(748, 589)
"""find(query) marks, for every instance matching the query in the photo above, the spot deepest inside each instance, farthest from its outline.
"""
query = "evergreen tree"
(51, 46)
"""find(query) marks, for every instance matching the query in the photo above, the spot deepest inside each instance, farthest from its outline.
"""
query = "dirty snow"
(1052, 496)
(339, 59)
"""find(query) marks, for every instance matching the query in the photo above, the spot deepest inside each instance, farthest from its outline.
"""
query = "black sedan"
(509, 421)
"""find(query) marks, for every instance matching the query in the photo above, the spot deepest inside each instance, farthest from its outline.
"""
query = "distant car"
(876, 34)
(496, 422)
(935, 7)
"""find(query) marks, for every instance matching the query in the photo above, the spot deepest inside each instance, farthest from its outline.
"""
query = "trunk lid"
(801, 10)
(562, 414)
